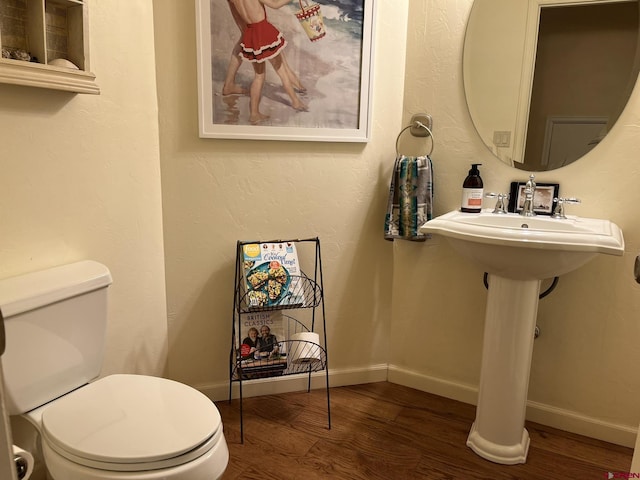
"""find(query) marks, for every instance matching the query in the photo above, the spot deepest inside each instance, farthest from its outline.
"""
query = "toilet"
(133, 427)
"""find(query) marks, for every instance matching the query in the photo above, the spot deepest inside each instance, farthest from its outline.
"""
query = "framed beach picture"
(302, 71)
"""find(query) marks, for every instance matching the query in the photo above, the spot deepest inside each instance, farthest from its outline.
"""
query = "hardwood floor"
(387, 431)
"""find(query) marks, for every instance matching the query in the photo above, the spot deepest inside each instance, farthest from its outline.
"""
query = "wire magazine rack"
(299, 350)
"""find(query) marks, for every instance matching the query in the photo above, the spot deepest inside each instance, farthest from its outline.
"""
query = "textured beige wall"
(587, 359)
(216, 192)
(81, 180)
(584, 362)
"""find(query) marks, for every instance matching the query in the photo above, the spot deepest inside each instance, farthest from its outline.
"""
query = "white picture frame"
(335, 73)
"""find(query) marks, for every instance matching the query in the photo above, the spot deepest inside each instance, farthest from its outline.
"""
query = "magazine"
(261, 344)
(272, 274)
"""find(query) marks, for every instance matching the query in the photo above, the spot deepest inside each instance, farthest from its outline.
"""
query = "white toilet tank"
(55, 323)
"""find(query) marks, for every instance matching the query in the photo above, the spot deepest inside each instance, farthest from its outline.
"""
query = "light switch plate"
(502, 138)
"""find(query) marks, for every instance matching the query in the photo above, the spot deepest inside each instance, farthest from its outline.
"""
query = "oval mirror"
(545, 80)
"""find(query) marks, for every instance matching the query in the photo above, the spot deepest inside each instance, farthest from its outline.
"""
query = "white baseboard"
(296, 383)
(437, 386)
(567, 420)
(559, 418)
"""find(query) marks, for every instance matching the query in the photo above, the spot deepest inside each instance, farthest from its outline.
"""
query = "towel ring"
(417, 124)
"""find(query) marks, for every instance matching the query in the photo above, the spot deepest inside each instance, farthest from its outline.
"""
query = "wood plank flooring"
(387, 431)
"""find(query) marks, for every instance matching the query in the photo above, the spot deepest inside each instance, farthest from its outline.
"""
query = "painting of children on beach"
(285, 69)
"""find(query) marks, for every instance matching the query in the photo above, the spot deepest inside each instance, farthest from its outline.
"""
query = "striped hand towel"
(410, 198)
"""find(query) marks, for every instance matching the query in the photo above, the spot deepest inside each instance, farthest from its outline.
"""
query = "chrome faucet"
(501, 205)
(529, 193)
(558, 212)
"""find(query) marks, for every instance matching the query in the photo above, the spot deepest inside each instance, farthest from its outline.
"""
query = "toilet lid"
(131, 422)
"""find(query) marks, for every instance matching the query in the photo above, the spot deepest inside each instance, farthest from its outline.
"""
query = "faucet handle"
(501, 206)
(558, 212)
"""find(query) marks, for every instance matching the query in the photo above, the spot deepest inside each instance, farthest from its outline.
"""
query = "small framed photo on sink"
(542, 199)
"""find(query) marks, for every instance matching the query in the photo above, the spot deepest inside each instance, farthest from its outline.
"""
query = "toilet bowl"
(123, 426)
(131, 426)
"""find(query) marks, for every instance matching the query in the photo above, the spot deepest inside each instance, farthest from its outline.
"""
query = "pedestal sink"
(517, 252)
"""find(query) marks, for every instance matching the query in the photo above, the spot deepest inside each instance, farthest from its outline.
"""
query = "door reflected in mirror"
(546, 80)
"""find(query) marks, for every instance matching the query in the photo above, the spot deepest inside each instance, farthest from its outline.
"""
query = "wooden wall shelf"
(49, 31)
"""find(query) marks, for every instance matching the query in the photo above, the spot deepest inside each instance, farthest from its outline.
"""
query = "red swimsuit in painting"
(261, 41)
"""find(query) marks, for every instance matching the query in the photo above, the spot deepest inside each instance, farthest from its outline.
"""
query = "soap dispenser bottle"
(472, 191)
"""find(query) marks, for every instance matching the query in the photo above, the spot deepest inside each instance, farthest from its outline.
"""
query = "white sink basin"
(517, 247)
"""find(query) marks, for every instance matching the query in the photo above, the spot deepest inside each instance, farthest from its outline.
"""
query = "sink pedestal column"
(498, 433)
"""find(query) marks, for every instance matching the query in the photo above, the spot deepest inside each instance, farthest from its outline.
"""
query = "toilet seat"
(131, 423)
